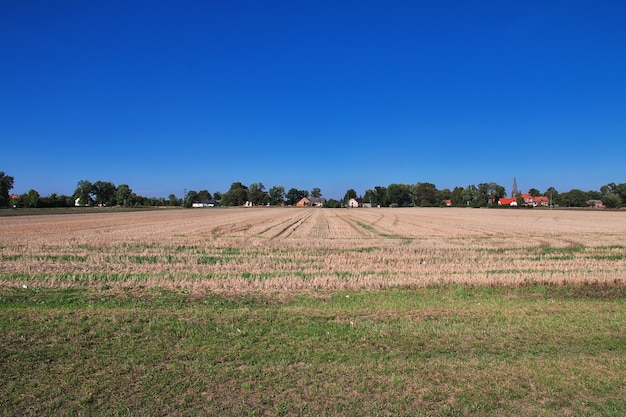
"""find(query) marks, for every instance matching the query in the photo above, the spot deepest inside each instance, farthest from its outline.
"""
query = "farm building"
(311, 202)
(540, 200)
(512, 202)
(303, 202)
(205, 203)
(317, 201)
(529, 201)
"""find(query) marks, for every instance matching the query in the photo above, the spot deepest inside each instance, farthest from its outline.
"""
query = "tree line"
(421, 194)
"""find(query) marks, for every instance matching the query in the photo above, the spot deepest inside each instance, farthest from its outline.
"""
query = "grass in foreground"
(447, 350)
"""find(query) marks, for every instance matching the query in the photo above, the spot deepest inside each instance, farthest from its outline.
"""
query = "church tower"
(514, 191)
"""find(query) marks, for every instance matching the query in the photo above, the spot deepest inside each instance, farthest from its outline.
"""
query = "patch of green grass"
(552, 249)
(230, 251)
(63, 258)
(144, 259)
(211, 259)
(443, 350)
(610, 247)
(259, 276)
(73, 258)
(55, 258)
(617, 257)
(171, 259)
(77, 278)
(366, 249)
(227, 254)
(367, 227)
(185, 248)
(370, 228)
(137, 246)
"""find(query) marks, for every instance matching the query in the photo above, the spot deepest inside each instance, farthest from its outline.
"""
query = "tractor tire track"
(291, 227)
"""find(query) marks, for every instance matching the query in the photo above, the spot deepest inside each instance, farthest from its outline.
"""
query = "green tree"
(608, 188)
(173, 200)
(237, 195)
(611, 200)
(399, 195)
(190, 198)
(471, 196)
(316, 192)
(55, 200)
(6, 185)
(457, 197)
(594, 195)
(277, 195)
(83, 193)
(104, 193)
(574, 198)
(204, 195)
(351, 193)
(379, 196)
(257, 194)
(445, 194)
(552, 194)
(369, 196)
(534, 192)
(32, 198)
(125, 196)
(618, 190)
(294, 195)
(489, 193)
(497, 192)
(425, 194)
(20, 201)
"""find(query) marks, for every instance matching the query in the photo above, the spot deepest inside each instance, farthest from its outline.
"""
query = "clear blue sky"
(168, 95)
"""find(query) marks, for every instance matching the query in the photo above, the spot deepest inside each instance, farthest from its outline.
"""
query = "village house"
(205, 203)
(529, 201)
(540, 200)
(317, 201)
(311, 202)
(595, 204)
(304, 201)
(512, 202)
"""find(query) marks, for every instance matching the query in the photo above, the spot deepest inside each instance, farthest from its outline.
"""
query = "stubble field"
(243, 250)
(314, 312)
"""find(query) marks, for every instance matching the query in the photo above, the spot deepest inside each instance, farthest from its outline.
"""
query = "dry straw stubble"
(277, 249)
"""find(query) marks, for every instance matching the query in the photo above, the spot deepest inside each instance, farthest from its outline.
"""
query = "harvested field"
(277, 249)
(314, 312)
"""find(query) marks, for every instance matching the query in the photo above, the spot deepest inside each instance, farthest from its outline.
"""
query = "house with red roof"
(511, 202)
(540, 200)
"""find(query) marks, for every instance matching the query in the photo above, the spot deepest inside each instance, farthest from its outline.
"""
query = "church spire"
(514, 191)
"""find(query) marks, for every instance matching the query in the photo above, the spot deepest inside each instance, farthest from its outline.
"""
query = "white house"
(205, 203)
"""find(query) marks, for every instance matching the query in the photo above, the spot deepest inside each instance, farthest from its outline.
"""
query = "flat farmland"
(314, 312)
(289, 249)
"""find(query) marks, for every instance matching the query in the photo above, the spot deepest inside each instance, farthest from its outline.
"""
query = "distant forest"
(421, 194)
